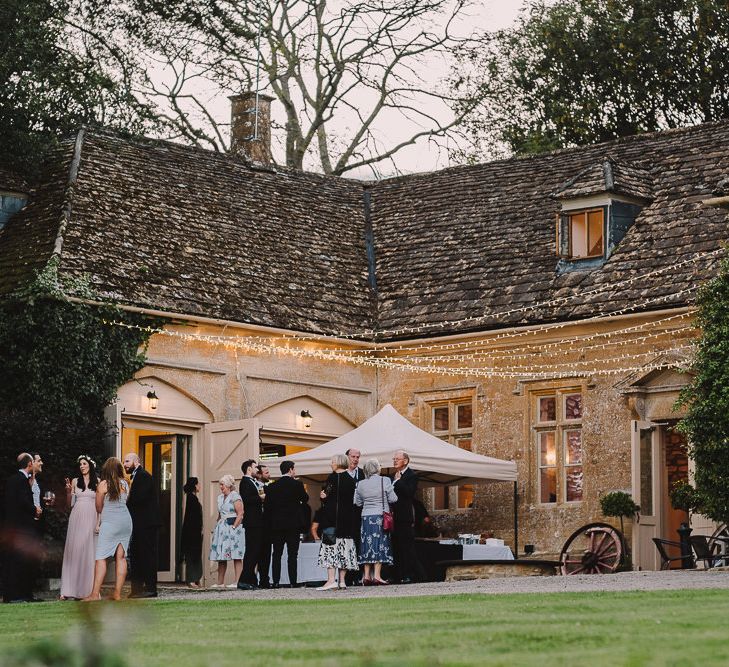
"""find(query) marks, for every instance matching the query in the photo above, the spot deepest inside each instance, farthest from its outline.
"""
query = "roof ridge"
(68, 197)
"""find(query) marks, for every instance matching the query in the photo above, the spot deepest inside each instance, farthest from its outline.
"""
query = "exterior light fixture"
(153, 400)
(306, 418)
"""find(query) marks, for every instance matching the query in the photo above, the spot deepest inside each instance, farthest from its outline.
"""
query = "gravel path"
(625, 581)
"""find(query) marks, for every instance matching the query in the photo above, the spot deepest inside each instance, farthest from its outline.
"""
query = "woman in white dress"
(228, 542)
(116, 527)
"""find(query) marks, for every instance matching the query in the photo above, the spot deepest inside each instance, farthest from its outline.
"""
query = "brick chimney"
(243, 127)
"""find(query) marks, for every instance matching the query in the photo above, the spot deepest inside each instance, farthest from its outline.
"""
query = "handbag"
(329, 535)
(388, 522)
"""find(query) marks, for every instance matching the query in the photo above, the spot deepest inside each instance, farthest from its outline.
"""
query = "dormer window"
(586, 233)
(599, 205)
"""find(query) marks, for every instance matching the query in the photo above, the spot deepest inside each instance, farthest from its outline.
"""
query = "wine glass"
(49, 498)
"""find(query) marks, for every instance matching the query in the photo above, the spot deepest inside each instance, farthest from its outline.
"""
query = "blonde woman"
(228, 542)
(336, 512)
(116, 527)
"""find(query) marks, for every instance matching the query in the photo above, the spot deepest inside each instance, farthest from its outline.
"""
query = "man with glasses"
(405, 485)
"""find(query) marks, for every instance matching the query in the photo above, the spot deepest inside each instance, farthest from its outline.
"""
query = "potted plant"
(619, 504)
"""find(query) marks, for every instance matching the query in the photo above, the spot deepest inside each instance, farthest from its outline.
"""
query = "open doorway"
(167, 457)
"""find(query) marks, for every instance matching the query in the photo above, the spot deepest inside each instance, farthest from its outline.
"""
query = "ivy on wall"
(61, 366)
(706, 424)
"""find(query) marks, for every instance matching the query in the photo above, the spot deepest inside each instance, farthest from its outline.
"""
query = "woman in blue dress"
(228, 542)
(116, 527)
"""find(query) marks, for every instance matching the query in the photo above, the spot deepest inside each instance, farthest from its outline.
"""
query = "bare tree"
(345, 73)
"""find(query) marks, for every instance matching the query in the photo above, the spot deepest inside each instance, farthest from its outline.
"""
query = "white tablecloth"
(486, 552)
(307, 570)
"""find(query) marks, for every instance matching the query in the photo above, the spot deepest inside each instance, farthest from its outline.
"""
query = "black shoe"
(246, 587)
(275, 586)
(138, 596)
(407, 580)
(264, 584)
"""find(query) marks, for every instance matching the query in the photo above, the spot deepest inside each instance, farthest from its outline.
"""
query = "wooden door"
(226, 446)
(646, 479)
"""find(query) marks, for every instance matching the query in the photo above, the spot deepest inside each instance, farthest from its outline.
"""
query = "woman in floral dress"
(228, 542)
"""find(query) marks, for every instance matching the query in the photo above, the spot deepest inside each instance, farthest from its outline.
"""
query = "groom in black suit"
(252, 524)
(403, 537)
(284, 504)
(143, 506)
(20, 535)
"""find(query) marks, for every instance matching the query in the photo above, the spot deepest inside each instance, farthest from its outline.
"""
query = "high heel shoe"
(380, 582)
(328, 587)
(368, 582)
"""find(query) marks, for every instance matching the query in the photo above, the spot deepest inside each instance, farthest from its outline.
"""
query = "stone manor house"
(534, 309)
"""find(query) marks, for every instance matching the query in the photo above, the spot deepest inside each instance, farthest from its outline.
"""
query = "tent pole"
(516, 521)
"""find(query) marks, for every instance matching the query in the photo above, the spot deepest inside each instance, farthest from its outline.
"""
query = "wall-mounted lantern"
(153, 400)
(306, 419)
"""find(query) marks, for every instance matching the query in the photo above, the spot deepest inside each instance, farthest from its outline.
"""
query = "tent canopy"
(436, 461)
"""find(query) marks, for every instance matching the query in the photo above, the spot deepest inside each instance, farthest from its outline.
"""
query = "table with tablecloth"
(429, 552)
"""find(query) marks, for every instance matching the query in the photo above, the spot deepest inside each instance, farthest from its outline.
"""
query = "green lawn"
(660, 628)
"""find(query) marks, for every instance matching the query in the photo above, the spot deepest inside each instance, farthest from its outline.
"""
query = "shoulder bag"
(387, 521)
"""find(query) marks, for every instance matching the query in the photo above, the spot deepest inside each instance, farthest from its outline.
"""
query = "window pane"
(573, 447)
(578, 235)
(440, 498)
(547, 453)
(548, 485)
(547, 409)
(646, 472)
(440, 418)
(464, 417)
(465, 496)
(595, 232)
(573, 476)
(573, 406)
(464, 443)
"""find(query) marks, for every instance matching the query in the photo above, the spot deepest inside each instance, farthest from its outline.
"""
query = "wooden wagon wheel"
(596, 548)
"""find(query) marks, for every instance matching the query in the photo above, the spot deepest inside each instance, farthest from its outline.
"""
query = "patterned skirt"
(375, 544)
(342, 555)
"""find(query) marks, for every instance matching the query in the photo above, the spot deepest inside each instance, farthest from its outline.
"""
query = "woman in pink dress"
(77, 575)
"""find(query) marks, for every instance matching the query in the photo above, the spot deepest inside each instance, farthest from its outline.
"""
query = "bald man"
(20, 534)
(143, 505)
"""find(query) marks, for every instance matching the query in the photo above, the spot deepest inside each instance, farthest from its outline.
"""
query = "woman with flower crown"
(77, 575)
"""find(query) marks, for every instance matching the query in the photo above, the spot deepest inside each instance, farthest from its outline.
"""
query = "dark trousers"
(18, 565)
(252, 555)
(403, 543)
(144, 559)
(351, 578)
(264, 558)
(289, 537)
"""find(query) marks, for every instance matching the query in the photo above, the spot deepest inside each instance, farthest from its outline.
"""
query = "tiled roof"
(609, 176)
(187, 231)
(472, 242)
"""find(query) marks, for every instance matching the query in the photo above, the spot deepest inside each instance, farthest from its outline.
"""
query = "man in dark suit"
(143, 505)
(284, 504)
(20, 535)
(403, 537)
(252, 524)
(263, 479)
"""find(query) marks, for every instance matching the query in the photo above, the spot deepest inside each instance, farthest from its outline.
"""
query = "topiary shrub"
(619, 504)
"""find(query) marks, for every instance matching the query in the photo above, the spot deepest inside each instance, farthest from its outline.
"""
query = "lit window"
(559, 447)
(580, 234)
(452, 421)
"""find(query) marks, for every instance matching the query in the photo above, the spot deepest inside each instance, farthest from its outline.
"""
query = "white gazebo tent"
(437, 462)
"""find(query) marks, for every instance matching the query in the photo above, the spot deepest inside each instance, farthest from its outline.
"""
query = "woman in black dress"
(191, 538)
(336, 511)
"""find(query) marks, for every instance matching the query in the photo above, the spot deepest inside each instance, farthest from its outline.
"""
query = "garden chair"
(707, 550)
(666, 559)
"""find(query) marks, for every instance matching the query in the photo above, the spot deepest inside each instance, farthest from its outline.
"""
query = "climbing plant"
(61, 366)
(706, 398)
